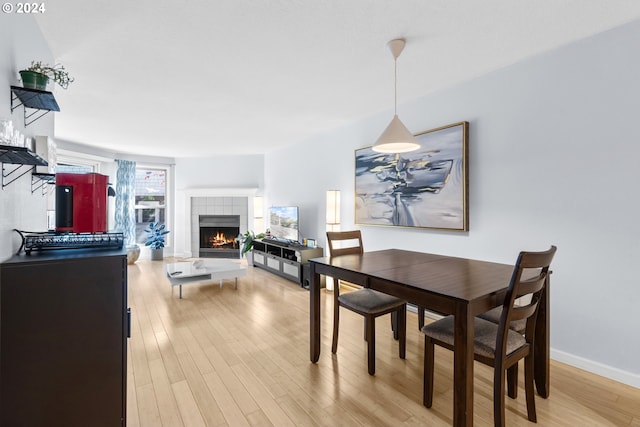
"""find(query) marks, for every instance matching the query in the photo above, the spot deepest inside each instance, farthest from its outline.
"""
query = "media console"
(284, 259)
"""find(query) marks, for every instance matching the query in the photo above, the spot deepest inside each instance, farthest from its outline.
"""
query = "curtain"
(125, 215)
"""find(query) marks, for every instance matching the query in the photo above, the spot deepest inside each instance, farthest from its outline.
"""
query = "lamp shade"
(258, 211)
(333, 206)
(396, 138)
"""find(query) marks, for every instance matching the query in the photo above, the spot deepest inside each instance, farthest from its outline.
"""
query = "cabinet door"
(64, 342)
(259, 258)
(292, 269)
(273, 262)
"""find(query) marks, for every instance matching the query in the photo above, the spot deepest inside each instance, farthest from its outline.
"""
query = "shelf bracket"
(14, 103)
(10, 174)
(39, 181)
(28, 116)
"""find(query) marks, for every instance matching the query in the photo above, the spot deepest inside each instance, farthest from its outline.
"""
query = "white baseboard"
(181, 254)
(429, 314)
(597, 368)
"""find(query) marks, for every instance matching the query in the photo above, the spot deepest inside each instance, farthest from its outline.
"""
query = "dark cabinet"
(63, 338)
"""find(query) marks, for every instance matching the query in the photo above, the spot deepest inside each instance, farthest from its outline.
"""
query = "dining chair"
(498, 345)
(494, 317)
(518, 326)
(367, 302)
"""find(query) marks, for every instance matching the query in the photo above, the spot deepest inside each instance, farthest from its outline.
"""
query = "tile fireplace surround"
(208, 201)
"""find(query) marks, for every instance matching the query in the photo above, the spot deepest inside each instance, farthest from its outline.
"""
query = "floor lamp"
(333, 222)
(258, 214)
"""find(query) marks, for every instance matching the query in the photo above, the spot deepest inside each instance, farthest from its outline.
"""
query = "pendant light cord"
(395, 86)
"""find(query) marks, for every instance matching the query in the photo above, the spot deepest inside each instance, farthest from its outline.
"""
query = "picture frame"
(426, 188)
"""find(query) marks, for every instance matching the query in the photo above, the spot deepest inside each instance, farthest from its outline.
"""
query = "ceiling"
(191, 78)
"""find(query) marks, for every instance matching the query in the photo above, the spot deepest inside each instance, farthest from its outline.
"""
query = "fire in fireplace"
(218, 236)
(212, 237)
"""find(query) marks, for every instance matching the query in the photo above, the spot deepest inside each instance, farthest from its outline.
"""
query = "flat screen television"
(283, 222)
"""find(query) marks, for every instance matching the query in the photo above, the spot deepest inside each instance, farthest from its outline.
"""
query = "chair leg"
(336, 323)
(498, 394)
(528, 388)
(427, 395)
(512, 381)
(371, 344)
(420, 317)
(402, 330)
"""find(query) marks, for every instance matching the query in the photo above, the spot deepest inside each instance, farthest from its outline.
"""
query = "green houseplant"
(155, 239)
(247, 242)
(38, 74)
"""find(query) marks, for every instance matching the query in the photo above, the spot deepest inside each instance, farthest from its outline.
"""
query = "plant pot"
(157, 254)
(133, 253)
(249, 257)
(33, 80)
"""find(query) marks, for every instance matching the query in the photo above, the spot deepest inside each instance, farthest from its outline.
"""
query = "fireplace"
(218, 236)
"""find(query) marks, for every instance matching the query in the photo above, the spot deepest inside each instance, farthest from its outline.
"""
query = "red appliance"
(81, 202)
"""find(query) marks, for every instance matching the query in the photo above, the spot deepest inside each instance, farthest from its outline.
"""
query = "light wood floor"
(225, 357)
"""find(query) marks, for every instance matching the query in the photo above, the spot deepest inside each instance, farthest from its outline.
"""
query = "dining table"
(443, 284)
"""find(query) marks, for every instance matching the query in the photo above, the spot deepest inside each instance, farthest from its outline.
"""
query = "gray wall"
(553, 160)
(220, 172)
(21, 42)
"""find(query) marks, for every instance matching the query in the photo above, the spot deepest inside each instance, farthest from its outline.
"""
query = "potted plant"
(247, 243)
(155, 239)
(38, 74)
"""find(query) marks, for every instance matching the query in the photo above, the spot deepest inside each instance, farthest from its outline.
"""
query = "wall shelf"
(20, 156)
(40, 101)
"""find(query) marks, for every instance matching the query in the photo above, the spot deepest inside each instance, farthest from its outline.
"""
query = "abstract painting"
(426, 188)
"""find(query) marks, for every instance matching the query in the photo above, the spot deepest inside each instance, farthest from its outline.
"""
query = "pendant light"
(396, 138)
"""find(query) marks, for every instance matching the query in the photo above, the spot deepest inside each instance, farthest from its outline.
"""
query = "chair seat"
(485, 335)
(369, 301)
(494, 316)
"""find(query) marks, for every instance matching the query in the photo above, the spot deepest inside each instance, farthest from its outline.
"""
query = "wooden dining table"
(461, 287)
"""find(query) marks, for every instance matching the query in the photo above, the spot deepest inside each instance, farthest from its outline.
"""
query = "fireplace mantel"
(184, 215)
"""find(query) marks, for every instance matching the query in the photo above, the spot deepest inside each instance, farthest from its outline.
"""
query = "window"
(151, 199)
(63, 168)
(71, 162)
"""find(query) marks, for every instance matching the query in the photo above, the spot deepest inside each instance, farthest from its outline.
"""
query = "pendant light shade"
(396, 138)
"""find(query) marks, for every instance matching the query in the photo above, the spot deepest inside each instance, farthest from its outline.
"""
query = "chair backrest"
(335, 239)
(535, 265)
